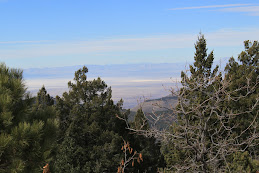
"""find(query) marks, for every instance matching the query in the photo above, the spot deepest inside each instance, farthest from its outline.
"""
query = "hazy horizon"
(50, 39)
(130, 82)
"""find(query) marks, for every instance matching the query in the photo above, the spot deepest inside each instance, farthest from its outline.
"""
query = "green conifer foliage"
(91, 134)
(43, 110)
(19, 137)
(147, 146)
(242, 162)
(140, 121)
(202, 67)
(242, 73)
(214, 122)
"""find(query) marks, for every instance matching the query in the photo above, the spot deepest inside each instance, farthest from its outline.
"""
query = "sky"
(57, 33)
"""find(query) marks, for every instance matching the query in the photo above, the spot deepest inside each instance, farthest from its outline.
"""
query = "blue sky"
(56, 33)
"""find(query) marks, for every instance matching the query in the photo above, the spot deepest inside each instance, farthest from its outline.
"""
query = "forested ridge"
(214, 127)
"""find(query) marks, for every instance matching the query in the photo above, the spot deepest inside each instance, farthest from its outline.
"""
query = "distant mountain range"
(115, 70)
(131, 82)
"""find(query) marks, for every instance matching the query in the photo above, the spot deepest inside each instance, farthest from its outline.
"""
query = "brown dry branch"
(129, 157)
(46, 168)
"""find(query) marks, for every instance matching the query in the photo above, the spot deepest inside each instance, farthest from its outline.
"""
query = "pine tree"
(207, 132)
(92, 135)
(43, 110)
(19, 138)
(140, 121)
(201, 74)
(147, 146)
(242, 73)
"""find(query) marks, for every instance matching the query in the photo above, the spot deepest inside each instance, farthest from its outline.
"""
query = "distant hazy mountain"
(146, 70)
(115, 70)
(131, 82)
(128, 81)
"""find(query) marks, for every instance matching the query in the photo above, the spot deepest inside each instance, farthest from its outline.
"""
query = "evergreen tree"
(43, 110)
(92, 135)
(241, 74)
(147, 146)
(140, 121)
(43, 99)
(196, 86)
(207, 135)
(20, 146)
(200, 74)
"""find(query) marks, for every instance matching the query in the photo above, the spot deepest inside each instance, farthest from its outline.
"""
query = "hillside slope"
(157, 105)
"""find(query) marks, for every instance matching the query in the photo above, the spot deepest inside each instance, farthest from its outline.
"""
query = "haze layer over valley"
(132, 82)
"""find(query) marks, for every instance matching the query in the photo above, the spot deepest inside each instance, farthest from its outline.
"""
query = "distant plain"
(133, 83)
